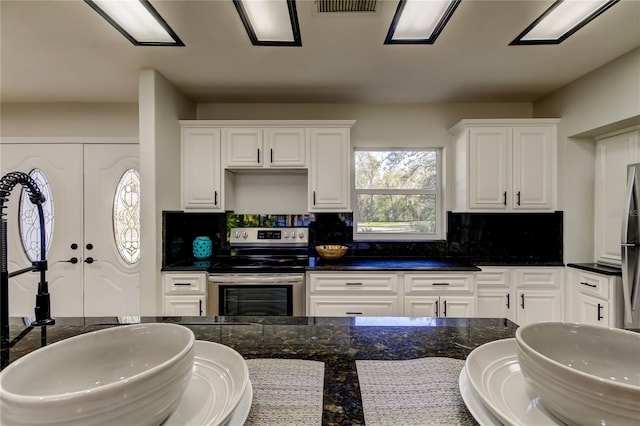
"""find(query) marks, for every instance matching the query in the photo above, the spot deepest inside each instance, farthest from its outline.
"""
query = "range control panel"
(269, 236)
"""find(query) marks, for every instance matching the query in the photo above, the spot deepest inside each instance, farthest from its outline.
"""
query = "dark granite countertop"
(597, 268)
(338, 342)
(388, 264)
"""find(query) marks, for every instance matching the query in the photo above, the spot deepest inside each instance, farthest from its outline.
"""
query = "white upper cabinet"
(505, 165)
(270, 147)
(202, 185)
(225, 163)
(286, 147)
(329, 170)
(242, 147)
(613, 154)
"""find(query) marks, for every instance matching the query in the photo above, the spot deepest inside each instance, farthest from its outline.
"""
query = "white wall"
(69, 120)
(161, 106)
(604, 100)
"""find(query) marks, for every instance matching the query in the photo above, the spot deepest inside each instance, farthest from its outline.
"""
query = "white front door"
(111, 281)
(83, 181)
(62, 166)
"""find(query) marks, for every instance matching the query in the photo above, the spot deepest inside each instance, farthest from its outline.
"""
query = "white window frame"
(409, 236)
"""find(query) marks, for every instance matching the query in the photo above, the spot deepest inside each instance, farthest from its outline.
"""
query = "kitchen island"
(337, 342)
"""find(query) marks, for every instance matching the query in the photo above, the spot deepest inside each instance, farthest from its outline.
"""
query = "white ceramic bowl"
(123, 375)
(584, 374)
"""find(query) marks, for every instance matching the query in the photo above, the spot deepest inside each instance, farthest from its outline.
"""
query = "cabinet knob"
(89, 260)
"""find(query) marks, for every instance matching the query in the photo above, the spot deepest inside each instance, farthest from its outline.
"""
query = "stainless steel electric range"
(263, 275)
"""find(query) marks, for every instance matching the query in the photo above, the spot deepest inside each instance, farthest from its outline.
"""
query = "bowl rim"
(559, 365)
(326, 247)
(10, 396)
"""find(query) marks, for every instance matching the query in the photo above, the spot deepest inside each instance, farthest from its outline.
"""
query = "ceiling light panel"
(561, 20)
(270, 22)
(138, 21)
(420, 21)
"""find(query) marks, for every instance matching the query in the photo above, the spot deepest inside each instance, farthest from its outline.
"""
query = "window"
(30, 220)
(397, 194)
(126, 217)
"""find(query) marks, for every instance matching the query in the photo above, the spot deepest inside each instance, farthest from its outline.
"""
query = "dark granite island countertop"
(338, 342)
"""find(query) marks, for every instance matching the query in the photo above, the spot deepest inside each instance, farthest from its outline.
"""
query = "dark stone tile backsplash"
(482, 238)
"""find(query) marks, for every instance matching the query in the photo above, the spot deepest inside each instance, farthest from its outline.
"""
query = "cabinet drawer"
(177, 283)
(493, 278)
(416, 283)
(351, 283)
(593, 285)
(539, 277)
(333, 306)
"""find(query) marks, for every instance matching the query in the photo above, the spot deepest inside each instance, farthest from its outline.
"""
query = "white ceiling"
(63, 51)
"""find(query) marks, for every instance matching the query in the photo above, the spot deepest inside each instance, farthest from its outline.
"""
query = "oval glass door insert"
(29, 221)
(126, 217)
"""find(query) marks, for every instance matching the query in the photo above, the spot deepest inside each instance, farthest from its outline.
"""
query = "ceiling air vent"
(346, 5)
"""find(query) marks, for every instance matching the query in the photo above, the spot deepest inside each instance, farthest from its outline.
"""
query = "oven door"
(259, 294)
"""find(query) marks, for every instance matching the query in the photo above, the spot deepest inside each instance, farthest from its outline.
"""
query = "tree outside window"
(397, 194)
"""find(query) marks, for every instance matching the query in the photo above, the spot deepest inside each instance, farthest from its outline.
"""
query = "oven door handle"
(256, 279)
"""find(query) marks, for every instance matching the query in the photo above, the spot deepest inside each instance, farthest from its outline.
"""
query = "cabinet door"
(422, 306)
(494, 303)
(242, 147)
(185, 306)
(329, 170)
(489, 167)
(332, 306)
(201, 171)
(592, 310)
(533, 168)
(613, 154)
(457, 307)
(538, 305)
(285, 147)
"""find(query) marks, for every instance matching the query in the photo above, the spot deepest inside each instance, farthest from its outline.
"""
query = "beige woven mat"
(286, 392)
(421, 391)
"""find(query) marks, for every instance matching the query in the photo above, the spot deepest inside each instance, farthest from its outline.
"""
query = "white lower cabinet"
(353, 294)
(495, 295)
(439, 294)
(539, 294)
(522, 295)
(594, 298)
(184, 294)
(439, 306)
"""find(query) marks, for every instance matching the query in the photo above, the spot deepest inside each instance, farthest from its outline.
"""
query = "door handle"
(444, 308)
(518, 198)
(508, 307)
(73, 260)
(436, 308)
(271, 151)
(200, 307)
(600, 312)
(89, 260)
(522, 297)
(504, 198)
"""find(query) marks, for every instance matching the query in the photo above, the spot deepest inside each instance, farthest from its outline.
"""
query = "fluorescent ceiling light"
(138, 21)
(420, 21)
(562, 19)
(270, 22)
